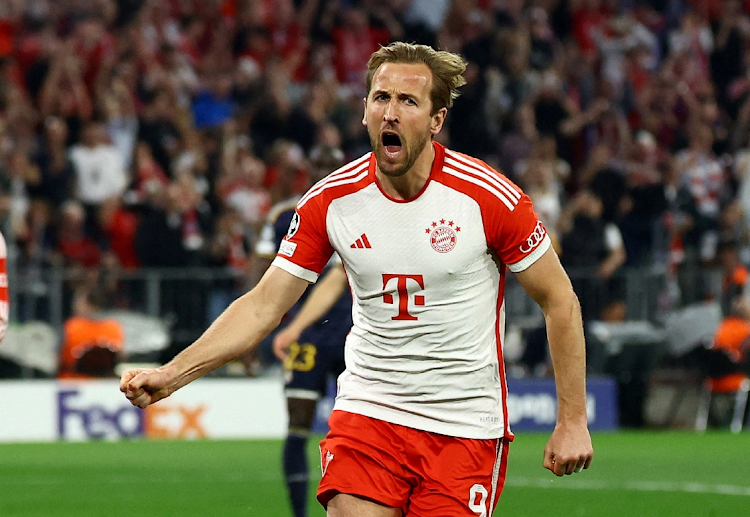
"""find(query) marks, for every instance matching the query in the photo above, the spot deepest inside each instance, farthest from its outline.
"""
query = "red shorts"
(422, 473)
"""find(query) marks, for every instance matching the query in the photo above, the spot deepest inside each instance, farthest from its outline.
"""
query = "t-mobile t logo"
(403, 294)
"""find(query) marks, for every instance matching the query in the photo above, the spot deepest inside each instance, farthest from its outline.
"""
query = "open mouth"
(391, 142)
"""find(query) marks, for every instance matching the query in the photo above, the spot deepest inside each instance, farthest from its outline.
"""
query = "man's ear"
(364, 115)
(438, 119)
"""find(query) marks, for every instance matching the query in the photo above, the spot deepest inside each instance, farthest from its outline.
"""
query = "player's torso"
(413, 261)
(425, 292)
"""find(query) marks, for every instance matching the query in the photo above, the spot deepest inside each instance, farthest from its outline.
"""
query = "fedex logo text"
(76, 419)
(81, 419)
(169, 421)
(402, 290)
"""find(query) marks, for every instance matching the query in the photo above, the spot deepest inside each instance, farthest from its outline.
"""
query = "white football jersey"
(427, 277)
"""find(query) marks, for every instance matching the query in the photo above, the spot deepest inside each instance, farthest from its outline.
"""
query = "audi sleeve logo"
(533, 240)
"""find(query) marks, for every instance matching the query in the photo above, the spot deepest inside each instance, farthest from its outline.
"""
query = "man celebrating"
(425, 234)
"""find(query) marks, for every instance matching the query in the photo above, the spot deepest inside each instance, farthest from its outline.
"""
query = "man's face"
(398, 115)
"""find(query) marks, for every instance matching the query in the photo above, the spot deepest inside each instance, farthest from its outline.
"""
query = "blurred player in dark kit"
(311, 346)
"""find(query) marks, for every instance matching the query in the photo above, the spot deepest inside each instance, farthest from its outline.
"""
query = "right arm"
(569, 449)
(323, 296)
(239, 329)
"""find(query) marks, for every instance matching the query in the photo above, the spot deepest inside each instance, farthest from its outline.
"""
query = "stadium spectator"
(385, 401)
(91, 345)
(690, 46)
(149, 178)
(589, 18)
(116, 102)
(591, 244)
(57, 181)
(213, 105)
(64, 93)
(22, 174)
(287, 173)
(36, 238)
(734, 274)
(240, 185)
(425, 18)
(159, 127)
(623, 34)
(99, 167)
(733, 337)
(645, 202)
(543, 176)
(74, 245)
(517, 142)
(354, 39)
(119, 225)
(730, 33)
(603, 175)
(173, 230)
(544, 44)
(704, 176)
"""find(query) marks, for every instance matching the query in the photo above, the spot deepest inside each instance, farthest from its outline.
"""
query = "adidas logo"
(362, 242)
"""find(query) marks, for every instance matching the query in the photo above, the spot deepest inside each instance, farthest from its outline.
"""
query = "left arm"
(569, 448)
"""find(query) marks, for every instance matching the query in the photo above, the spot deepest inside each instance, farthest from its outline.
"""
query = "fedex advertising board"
(96, 410)
(50, 410)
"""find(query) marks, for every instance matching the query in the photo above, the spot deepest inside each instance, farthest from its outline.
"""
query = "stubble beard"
(391, 169)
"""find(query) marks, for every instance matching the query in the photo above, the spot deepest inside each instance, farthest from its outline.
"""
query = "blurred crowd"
(158, 133)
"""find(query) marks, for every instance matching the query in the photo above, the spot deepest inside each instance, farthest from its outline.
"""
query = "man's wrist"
(171, 375)
(572, 420)
(294, 330)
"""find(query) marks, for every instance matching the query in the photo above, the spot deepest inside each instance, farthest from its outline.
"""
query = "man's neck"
(409, 184)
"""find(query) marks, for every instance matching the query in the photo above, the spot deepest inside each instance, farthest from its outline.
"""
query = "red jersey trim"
(501, 359)
(461, 167)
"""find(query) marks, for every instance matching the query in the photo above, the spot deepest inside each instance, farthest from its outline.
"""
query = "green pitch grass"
(634, 474)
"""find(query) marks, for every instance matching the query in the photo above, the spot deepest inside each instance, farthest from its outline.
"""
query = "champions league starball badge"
(293, 226)
(443, 235)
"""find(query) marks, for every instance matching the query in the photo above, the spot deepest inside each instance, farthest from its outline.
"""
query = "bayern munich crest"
(443, 234)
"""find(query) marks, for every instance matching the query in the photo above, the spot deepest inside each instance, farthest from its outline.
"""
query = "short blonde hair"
(446, 67)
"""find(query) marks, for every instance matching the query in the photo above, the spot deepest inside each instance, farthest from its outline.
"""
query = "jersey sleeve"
(518, 237)
(305, 249)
